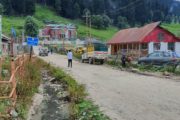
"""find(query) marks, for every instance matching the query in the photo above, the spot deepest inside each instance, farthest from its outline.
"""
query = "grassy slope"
(174, 28)
(43, 13)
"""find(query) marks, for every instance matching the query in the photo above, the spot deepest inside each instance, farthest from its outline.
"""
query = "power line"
(126, 7)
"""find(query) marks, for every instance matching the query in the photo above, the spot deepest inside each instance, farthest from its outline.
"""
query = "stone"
(166, 73)
(13, 113)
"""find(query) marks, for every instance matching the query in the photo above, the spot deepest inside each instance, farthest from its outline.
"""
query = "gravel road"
(123, 95)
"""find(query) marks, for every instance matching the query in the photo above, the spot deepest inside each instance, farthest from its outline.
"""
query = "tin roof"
(5, 37)
(133, 34)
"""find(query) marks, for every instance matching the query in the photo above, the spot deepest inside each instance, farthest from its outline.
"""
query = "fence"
(17, 68)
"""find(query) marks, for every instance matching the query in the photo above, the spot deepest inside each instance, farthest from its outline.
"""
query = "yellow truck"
(95, 52)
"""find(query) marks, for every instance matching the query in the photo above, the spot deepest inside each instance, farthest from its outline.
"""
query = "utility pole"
(88, 24)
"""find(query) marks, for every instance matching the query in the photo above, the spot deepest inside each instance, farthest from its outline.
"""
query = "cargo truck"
(95, 52)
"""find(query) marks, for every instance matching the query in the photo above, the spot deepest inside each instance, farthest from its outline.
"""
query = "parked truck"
(95, 52)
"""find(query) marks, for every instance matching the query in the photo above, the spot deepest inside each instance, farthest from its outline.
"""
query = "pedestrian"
(70, 56)
(123, 58)
(51, 51)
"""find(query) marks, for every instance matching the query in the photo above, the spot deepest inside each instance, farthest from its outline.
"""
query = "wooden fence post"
(13, 82)
(0, 68)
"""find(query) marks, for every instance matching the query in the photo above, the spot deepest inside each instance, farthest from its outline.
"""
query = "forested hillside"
(122, 13)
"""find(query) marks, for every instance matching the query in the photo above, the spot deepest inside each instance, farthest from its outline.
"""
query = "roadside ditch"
(60, 97)
(52, 101)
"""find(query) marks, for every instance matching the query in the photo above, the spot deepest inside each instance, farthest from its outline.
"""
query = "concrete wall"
(150, 47)
(109, 49)
(177, 48)
(164, 47)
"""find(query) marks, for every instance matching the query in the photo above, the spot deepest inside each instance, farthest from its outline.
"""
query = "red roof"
(133, 34)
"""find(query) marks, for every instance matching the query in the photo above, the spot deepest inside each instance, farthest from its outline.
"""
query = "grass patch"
(174, 28)
(46, 13)
(162, 69)
(28, 86)
(147, 68)
(81, 108)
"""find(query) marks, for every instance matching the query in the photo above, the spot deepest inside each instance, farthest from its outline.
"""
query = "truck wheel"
(90, 61)
(102, 62)
(82, 61)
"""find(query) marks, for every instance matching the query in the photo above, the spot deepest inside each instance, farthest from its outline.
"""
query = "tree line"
(122, 13)
(18, 7)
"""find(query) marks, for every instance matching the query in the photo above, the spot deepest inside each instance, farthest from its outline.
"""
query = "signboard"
(0, 36)
(32, 41)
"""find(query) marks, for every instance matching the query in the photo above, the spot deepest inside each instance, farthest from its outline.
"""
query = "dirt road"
(123, 95)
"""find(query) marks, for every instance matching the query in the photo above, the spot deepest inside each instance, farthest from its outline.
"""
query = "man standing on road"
(70, 56)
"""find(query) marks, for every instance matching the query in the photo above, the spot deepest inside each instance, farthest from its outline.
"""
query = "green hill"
(174, 28)
(45, 13)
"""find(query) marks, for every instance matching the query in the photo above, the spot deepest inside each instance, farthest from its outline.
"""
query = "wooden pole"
(139, 49)
(127, 48)
(0, 67)
(31, 49)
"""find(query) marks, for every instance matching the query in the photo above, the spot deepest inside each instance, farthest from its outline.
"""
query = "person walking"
(51, 51)
(70, 56)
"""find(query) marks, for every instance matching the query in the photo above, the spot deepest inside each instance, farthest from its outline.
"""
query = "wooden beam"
(139, 49)
(127, 48)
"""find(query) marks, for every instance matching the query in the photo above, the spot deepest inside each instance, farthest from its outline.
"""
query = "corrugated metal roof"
(5, 37)
(133, 34)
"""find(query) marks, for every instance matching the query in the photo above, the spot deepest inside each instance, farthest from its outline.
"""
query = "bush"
(177, 70)
(101, 21)
(28, 85)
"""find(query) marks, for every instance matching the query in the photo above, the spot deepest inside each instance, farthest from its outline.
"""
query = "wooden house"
(141, 41)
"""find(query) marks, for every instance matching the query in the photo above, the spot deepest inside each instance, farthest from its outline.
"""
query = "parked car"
(43, 52)
(160, 58)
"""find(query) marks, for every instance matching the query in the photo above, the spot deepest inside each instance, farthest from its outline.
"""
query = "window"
(157, 46)
(101, 47)
(161, 36)
(144, 46)
(171, 46)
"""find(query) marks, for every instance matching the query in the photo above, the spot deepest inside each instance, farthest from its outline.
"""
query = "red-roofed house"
(144, 40)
